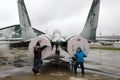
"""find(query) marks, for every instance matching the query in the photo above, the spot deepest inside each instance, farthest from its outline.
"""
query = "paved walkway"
(104, 69)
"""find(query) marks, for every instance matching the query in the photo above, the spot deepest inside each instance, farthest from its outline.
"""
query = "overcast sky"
(68, 16)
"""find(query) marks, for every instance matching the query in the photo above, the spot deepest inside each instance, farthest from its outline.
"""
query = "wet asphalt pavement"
(54, 74)
(100, 65)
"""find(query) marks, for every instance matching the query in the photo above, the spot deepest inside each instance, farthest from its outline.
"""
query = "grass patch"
(106, 48)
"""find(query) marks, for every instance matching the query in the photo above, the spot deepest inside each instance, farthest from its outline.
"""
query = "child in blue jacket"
(79, 57)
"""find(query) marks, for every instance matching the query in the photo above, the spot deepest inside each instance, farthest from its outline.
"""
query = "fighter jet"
(58, 45)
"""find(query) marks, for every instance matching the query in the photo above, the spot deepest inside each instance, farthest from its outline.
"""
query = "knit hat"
(78, 49)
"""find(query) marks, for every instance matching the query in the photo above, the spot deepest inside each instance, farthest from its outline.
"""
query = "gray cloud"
(68, 16)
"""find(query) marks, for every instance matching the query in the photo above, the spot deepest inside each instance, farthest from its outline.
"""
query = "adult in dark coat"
(37, 58)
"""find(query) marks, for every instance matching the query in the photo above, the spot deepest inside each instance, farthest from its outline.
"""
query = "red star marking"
(78, 39)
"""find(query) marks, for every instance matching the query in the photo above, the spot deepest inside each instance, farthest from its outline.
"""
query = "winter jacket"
(37, 52)
(79, 56)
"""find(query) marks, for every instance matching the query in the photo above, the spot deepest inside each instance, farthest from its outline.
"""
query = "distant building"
(108, 38)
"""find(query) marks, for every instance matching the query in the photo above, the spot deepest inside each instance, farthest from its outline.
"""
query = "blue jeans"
(37, 65)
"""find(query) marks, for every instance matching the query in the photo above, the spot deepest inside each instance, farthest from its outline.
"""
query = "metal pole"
(100, 56)
(100, 49)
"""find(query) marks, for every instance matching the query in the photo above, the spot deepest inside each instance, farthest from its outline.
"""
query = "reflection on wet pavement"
(58, 76)
(19, 66)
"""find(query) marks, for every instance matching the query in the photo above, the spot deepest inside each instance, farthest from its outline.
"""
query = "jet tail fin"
(89, 30)
(27, 31)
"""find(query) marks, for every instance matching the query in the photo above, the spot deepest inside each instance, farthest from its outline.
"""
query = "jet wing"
(11, 40)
